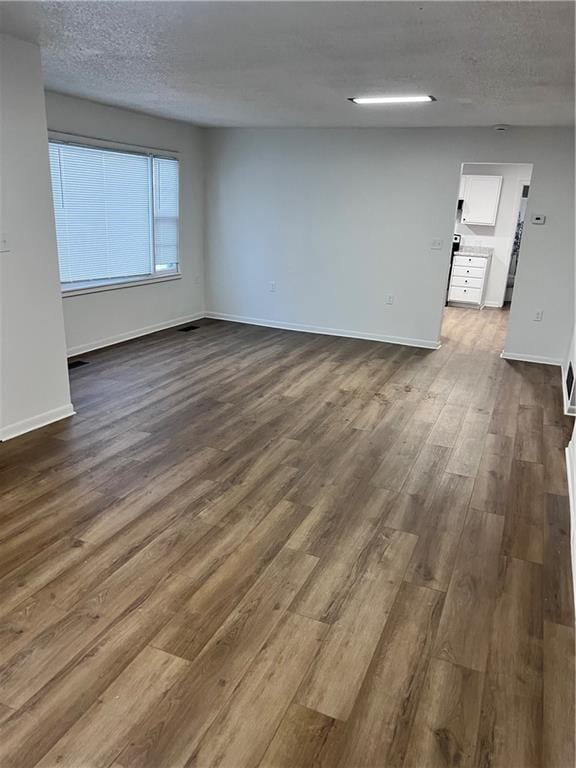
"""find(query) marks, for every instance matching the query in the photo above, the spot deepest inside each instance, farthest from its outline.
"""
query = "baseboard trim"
(572, 502)
(42, 420)
(303, 328)
(493, 304)
(531, 358)
(80, 349)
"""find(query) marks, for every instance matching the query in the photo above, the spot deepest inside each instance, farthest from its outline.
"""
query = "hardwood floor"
(252, 547)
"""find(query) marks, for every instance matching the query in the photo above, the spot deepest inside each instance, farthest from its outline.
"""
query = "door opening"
(488, 229)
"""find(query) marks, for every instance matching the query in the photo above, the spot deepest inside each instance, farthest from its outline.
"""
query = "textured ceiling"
(296, 63)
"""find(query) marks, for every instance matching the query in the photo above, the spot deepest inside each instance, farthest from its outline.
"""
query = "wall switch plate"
(272, 286)
(436, 244)
(538, 218)
(389, 298)
(538, 315)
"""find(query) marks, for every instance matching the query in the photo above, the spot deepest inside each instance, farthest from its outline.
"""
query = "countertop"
(475, 250)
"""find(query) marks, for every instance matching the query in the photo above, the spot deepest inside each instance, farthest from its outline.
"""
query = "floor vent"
(76, 363)
(187, 328)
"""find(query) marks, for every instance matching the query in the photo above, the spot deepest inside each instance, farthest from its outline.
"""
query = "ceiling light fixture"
(368, 100)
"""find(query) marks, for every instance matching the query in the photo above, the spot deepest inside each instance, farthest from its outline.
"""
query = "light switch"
(538, 218)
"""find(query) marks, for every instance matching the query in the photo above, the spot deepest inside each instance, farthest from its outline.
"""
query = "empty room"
(287, 394)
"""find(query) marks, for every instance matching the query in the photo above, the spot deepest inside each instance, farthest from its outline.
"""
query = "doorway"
(488, 229)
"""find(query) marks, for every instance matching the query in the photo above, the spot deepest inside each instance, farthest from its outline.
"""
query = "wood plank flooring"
(257, 548)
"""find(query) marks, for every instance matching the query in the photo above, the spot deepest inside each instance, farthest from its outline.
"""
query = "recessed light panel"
(375, 100)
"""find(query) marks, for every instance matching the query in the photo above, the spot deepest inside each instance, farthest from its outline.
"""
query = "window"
(116, 215)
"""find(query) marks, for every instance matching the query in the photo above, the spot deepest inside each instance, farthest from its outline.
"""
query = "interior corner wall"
(33, 374)
(571, 454)
(98, 319)
(333, 220)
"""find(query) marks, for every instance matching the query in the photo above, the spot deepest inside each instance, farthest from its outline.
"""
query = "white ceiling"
(296, 63)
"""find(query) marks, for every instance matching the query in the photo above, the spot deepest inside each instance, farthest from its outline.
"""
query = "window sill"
(114, 286)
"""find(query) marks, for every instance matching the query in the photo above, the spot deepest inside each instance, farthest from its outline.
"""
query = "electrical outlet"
(436, 244)
(272, 286)
(4, 244)
(389, 298)
(538, 315)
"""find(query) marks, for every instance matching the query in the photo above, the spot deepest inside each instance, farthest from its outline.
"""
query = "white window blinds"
(116, 214)
(165, 213)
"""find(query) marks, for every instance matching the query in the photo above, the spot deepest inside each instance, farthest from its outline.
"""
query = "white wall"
(571, 452)
(501, 236)
(97, 319)
(340, 217)
(569, 358)
(34, 376)
(571, 469)
(571, 456)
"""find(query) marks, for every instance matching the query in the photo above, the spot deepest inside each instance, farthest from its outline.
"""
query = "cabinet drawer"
(472, 295)
(467, 282)
(469, 261)
(467, 271)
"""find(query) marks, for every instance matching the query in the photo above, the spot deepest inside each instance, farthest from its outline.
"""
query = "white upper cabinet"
(481, 195)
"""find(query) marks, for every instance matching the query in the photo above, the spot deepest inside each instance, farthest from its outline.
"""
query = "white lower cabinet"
(469, 295)
(467, 282)
(469, 278)
(468, 271)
